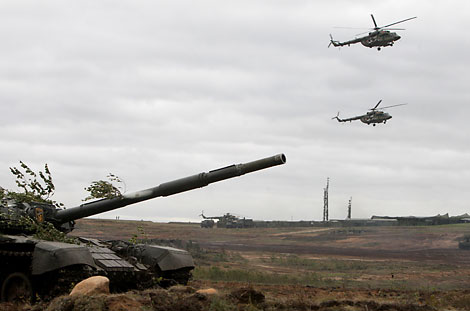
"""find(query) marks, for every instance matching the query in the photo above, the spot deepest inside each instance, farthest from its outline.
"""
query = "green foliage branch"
(103, 189)
(35, 187)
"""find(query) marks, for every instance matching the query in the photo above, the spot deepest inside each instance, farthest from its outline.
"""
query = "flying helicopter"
(373, 116)
(378, 37)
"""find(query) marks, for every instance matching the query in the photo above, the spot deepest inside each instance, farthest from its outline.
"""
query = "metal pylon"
(325, 200)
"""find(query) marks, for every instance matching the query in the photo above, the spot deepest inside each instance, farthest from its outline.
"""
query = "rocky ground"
(239, 296)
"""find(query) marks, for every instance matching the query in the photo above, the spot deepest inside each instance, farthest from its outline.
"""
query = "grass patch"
(294, 261)
(237, 275)
(295, 270)
(204, 257)
(353, 266)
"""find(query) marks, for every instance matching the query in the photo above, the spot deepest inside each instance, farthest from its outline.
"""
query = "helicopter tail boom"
(337, 118)
(339, 44)
(347, 119)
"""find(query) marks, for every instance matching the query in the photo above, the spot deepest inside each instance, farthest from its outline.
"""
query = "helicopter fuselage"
(380, 38)
(375, 117)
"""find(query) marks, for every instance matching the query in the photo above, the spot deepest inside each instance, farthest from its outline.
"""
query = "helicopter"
(373, 117)
(379, 36)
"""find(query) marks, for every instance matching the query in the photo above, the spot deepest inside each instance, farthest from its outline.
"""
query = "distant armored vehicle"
(465, 242)
(228, 221)
(33, 267)
(207, 223)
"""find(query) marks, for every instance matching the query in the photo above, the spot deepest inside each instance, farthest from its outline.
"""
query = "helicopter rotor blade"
(361, 28)
(373, 19)
(394, 106)
(363, 33)
(393, 28)
(375, 29)
(398, 22)
(376, 105)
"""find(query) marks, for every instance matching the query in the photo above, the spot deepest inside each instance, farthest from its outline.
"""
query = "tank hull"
(35, 268)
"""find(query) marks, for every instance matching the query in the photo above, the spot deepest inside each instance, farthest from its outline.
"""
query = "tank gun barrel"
(167, 189)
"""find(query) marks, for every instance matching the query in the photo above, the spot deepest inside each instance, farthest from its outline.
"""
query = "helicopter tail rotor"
(336, 117)
(331, 41)
(334, 42)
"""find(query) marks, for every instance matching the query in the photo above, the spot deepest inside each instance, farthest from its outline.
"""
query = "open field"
(357, 268)
(421, 257)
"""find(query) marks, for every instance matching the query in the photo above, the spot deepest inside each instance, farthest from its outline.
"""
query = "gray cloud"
(154, 91)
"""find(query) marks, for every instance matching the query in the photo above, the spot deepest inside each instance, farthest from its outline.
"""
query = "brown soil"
(438, 244)
(418, 246)
(237, 296)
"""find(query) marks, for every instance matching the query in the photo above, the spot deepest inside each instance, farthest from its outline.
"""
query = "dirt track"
(445, 256)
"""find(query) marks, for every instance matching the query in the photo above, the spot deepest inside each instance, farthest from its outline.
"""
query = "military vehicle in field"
(207, 223)
(227, 221)
(32, 267)
(464, 243)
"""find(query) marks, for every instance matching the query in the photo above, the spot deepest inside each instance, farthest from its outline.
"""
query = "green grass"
(351, 266)
(295, 270)
(294, 261)
(313, 279)
(238, 275)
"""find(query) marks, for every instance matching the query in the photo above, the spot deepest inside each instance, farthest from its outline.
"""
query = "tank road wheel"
(17, 288)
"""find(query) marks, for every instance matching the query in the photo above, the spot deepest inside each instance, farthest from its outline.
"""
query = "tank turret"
(28, 263)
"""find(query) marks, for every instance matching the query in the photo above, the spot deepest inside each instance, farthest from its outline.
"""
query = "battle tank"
(464, 243)
(227, 221)
(31, 267)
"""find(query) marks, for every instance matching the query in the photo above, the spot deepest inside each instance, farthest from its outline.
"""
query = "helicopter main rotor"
(386, 27)
(375, 107)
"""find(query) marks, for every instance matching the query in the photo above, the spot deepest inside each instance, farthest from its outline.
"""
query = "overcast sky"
(153, 91)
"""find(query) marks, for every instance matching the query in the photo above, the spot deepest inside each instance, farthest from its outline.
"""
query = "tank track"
(56, 283)
(175, 277)
(45, 286)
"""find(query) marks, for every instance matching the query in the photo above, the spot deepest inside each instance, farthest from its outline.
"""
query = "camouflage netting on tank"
(24, 224)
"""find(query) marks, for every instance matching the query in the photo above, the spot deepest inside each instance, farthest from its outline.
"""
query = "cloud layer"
(155, 91)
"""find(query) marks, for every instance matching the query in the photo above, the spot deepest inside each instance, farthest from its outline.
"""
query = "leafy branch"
(37, 187)
(43, 231)
(103, 189)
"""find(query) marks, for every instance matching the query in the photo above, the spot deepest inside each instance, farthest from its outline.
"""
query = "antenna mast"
(349, 208)
(325, 200)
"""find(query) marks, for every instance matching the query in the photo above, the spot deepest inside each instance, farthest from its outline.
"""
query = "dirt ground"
(436, 244)
(239, 296)
(420, 254)
(366, 268)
